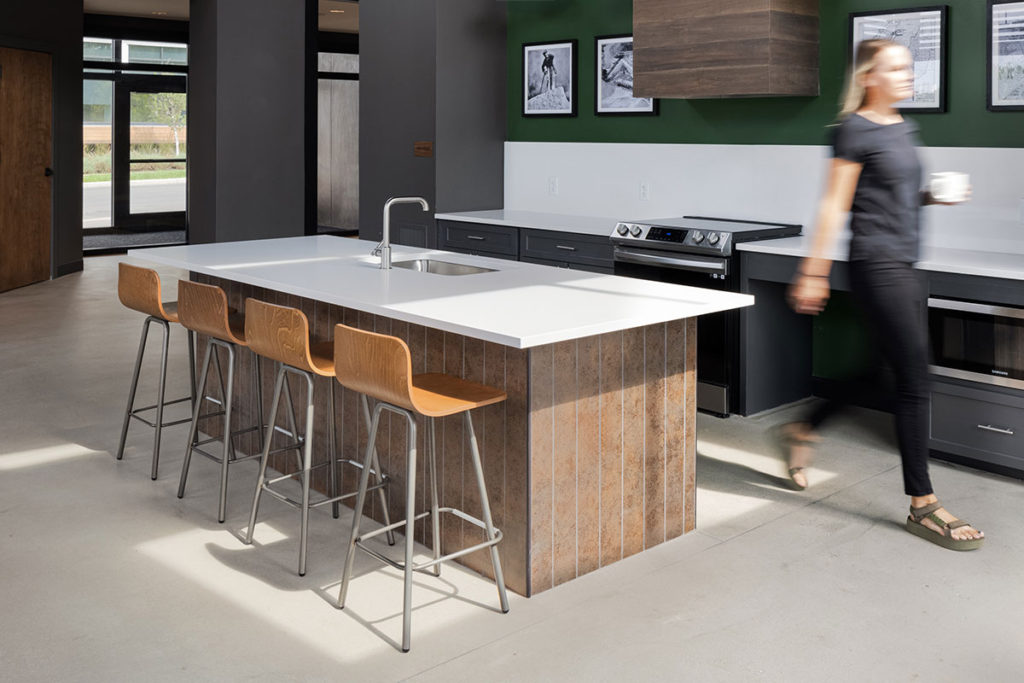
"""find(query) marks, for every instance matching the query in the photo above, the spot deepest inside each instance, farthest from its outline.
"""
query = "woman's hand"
(808, 294)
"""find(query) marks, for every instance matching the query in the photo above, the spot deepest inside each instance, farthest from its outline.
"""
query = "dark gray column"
(471, 109)
(430, 71)
(56, 27)
(248, 118)
(396, 109)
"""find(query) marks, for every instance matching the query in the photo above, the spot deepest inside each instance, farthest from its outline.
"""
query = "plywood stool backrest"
(139, 289)
(280, 333)
(204, 309)
(377, 365)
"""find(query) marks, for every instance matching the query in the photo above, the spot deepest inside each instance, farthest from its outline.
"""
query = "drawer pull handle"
(997, 430)
(566, 247)
(475, 237)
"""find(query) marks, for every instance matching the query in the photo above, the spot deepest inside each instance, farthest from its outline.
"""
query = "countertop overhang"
(998, 264)
(521, 305)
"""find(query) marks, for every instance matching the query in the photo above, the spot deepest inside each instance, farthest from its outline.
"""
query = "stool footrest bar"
(172, 423)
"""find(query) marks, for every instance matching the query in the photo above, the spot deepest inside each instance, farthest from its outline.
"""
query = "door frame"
(124, 86)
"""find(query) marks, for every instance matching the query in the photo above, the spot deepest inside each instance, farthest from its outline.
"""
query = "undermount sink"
(427, 265)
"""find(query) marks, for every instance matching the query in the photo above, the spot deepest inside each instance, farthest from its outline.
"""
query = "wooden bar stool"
(380, 366)
(281, 333)
(139, 289)
(203, 309)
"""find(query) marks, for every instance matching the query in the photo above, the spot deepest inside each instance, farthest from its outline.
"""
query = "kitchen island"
(591, 459)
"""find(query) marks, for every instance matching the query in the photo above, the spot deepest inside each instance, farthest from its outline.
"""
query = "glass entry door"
(150, 164)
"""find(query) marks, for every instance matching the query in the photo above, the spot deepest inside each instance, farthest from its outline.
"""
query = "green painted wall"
(791, 120)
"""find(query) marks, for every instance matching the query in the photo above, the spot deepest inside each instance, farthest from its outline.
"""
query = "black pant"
(892, 298)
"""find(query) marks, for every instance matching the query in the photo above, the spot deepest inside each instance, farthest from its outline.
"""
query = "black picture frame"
(887, 24)
(534, 75)
(601, 107)
(1016, 103)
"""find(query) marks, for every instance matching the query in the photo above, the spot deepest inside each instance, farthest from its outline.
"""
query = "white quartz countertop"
(584, 225)
(519, 304)
(999, 264)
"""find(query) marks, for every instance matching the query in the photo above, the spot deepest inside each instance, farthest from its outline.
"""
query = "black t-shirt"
(886, 204)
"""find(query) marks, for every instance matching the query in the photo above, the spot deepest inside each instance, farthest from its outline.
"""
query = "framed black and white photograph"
(1005, 55)
(614, 88)
(923, 31)
(549, 79)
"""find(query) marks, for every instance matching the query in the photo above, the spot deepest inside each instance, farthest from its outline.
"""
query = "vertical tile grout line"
(600, 451)
(622, 441)
(576, 455)
(664, 438)
(643, 451)
(551, 457)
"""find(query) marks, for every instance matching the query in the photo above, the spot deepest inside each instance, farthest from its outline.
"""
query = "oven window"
(984, 343)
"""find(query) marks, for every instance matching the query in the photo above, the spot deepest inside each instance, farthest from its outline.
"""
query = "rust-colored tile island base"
(590, 460)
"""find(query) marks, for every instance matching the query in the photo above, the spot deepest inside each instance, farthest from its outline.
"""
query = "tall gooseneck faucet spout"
(384, 248)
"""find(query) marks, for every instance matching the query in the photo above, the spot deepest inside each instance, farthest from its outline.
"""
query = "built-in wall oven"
(698, 252)
(977, 342)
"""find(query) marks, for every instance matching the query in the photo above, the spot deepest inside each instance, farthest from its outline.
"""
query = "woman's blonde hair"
(865, 60)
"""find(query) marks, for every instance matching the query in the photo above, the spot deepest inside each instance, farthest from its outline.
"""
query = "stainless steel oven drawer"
(978, 424)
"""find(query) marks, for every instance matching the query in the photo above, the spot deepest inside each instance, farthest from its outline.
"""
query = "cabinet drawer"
(569, 247)
(981, 425)
(478, 238)
(568, 264)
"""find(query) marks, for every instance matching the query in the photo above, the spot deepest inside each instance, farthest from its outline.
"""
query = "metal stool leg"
(499, 579)
(160, 398)
(220, 381)
(435, 516)
(380, 475)
(410, 540)
(357, 513)
(133, 387)
(265, 455)
(307, 463)
(331, 453)
(192, 362)
(228, 448)
(259, 398)
(194, 428)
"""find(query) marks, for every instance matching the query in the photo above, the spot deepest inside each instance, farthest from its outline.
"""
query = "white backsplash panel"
(778, 183)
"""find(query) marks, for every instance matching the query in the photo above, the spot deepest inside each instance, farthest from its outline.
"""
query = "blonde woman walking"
(875, 175)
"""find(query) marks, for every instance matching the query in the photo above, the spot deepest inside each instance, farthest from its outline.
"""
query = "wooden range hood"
(725, 48)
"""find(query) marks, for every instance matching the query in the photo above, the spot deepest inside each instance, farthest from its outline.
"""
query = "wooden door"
(26, 118)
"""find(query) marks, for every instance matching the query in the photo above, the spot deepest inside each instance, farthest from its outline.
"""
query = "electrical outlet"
(1022, 212)
(645, 191)
(553, 185)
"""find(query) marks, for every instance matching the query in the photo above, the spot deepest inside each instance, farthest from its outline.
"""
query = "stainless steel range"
(699, 251)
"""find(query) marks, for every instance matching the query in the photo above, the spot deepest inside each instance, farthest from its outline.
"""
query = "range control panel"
(674, 238)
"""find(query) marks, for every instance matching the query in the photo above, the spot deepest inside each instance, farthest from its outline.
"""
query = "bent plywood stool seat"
(139, 289)
(203, 309)
(281, 333)
(380, 366)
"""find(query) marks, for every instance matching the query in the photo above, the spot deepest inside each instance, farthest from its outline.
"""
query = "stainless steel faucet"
(384, 248)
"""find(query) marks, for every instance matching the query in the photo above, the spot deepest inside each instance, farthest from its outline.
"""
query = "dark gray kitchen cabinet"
(566, 250)
(499, 241)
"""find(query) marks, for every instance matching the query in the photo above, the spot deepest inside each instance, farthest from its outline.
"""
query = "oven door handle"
(971, 307)
(718, 266)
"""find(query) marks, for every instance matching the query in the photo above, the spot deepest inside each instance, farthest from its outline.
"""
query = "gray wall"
(430, 70)
(248, 119)
(396, 108)
(56, 27)
(471, 108)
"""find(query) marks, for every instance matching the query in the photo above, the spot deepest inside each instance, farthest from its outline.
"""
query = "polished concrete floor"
(106, 576)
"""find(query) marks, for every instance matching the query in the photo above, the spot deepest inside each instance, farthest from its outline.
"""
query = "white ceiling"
(335, 15)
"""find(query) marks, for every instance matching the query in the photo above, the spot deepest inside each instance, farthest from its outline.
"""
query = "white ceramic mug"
(949, 186)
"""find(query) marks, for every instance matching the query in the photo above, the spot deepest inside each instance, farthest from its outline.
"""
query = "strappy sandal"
(787, 441)
(944, 537)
